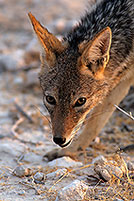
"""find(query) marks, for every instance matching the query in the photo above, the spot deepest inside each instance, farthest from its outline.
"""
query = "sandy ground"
(25, 134)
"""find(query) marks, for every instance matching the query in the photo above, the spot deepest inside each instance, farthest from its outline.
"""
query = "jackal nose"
(59, 140)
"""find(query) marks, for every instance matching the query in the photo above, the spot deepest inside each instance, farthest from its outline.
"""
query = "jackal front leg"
(96, 122)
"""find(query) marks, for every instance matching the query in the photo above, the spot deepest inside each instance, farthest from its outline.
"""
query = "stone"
(75, 191)
(114, 170)
(19, 171)
(91, 174)
(106, 169)
(39, 176)
(130, 166)
(103, 173)
(64, 162)
(56, 174)
(117, 171)
(99, 160)
(21, 192)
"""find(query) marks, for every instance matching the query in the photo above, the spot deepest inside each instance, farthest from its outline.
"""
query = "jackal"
(88, 72)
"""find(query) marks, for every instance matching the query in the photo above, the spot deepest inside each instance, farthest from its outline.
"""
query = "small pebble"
(105, 175)
(39, 176)
(130, 166)
(28, 172)
(19, 171)
(56, 174)
(114, 170)
(72, 192)
(22, 193)
(65, 162)
(102, 172)
(97, 140)
(118, 171)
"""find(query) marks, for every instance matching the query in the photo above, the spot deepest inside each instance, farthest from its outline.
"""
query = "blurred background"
(15, 29)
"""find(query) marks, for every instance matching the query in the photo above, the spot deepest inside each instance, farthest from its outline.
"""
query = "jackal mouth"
(75, 130)
(66, 144)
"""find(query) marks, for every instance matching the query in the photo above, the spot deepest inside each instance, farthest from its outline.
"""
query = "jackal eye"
(81, 101)
(51, 100)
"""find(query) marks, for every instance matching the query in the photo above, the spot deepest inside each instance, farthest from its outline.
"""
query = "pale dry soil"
(25, 133)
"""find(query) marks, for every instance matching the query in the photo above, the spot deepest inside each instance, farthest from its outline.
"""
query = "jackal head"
(72, 79)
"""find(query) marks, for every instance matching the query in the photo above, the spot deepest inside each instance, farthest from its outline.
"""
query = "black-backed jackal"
(88, 72)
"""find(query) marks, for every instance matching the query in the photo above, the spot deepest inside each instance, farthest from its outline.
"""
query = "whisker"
(44, 116)
(78, 126)
(76, 129)
(84, 120)
(95, 115)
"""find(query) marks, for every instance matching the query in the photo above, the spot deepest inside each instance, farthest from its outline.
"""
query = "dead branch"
(20, 109)
(15, 126)
(127, 114)
(30, 187)
(123, 180)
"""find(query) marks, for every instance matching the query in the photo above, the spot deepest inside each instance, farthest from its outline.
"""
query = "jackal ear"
(49, 42)
(96, 54)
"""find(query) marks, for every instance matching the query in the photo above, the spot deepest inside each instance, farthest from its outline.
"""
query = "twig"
(123, 180)
(127, 114)
(19, 108)
(121, 197)
(15, 134)
(30, 186)
(26, 68)
(44, 116)
(69, 171)
(129, 147)
(13, 129)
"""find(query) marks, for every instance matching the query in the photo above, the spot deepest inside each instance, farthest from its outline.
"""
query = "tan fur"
(99, 46)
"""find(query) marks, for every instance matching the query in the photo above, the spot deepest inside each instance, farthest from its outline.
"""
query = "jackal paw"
(57, 153)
